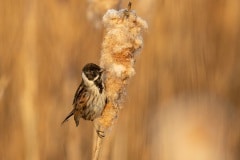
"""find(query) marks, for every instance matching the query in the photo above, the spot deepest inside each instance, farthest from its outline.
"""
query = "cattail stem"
(97, 146)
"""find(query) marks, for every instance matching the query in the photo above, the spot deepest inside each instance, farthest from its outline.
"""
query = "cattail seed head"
(122, 42)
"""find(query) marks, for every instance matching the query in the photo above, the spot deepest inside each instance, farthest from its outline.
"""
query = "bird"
(90, 97)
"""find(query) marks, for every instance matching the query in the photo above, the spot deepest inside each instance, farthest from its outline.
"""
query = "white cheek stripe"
(96, 78)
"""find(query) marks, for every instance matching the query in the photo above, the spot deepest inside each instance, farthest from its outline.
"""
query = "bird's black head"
(92, 71)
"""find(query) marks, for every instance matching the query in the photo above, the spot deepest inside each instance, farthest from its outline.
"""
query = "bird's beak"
(102, 70)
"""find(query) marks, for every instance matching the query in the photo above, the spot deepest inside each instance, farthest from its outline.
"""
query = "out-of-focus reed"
(191, 47)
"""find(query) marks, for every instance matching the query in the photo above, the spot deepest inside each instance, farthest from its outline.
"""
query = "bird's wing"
(78, 92)
(80, 102)
(68, 116)
(81, 98)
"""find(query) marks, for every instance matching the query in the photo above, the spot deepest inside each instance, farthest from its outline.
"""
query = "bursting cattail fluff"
(122, 41)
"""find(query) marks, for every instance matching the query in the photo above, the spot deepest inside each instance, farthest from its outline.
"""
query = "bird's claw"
(100, 134)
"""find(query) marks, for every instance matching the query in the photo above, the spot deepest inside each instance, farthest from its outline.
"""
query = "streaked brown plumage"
(90, 99)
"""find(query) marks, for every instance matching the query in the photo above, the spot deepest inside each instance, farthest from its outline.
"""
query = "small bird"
(90, 98)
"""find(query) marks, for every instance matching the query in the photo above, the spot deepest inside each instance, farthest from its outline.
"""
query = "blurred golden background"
(183, 103)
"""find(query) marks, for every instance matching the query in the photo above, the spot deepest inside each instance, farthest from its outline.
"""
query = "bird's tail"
(69, 115)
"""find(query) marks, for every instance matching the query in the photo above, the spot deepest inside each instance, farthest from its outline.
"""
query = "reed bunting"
(90, 99)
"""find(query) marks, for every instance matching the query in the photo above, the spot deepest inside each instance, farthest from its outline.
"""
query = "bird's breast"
(95, 104)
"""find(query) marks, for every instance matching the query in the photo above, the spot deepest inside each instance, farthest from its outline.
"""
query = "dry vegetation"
(185, 93)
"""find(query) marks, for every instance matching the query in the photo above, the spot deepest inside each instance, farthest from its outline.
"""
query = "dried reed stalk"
(28, 69)
(122, 41)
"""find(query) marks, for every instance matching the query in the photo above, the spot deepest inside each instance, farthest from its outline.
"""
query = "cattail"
(122, 41)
